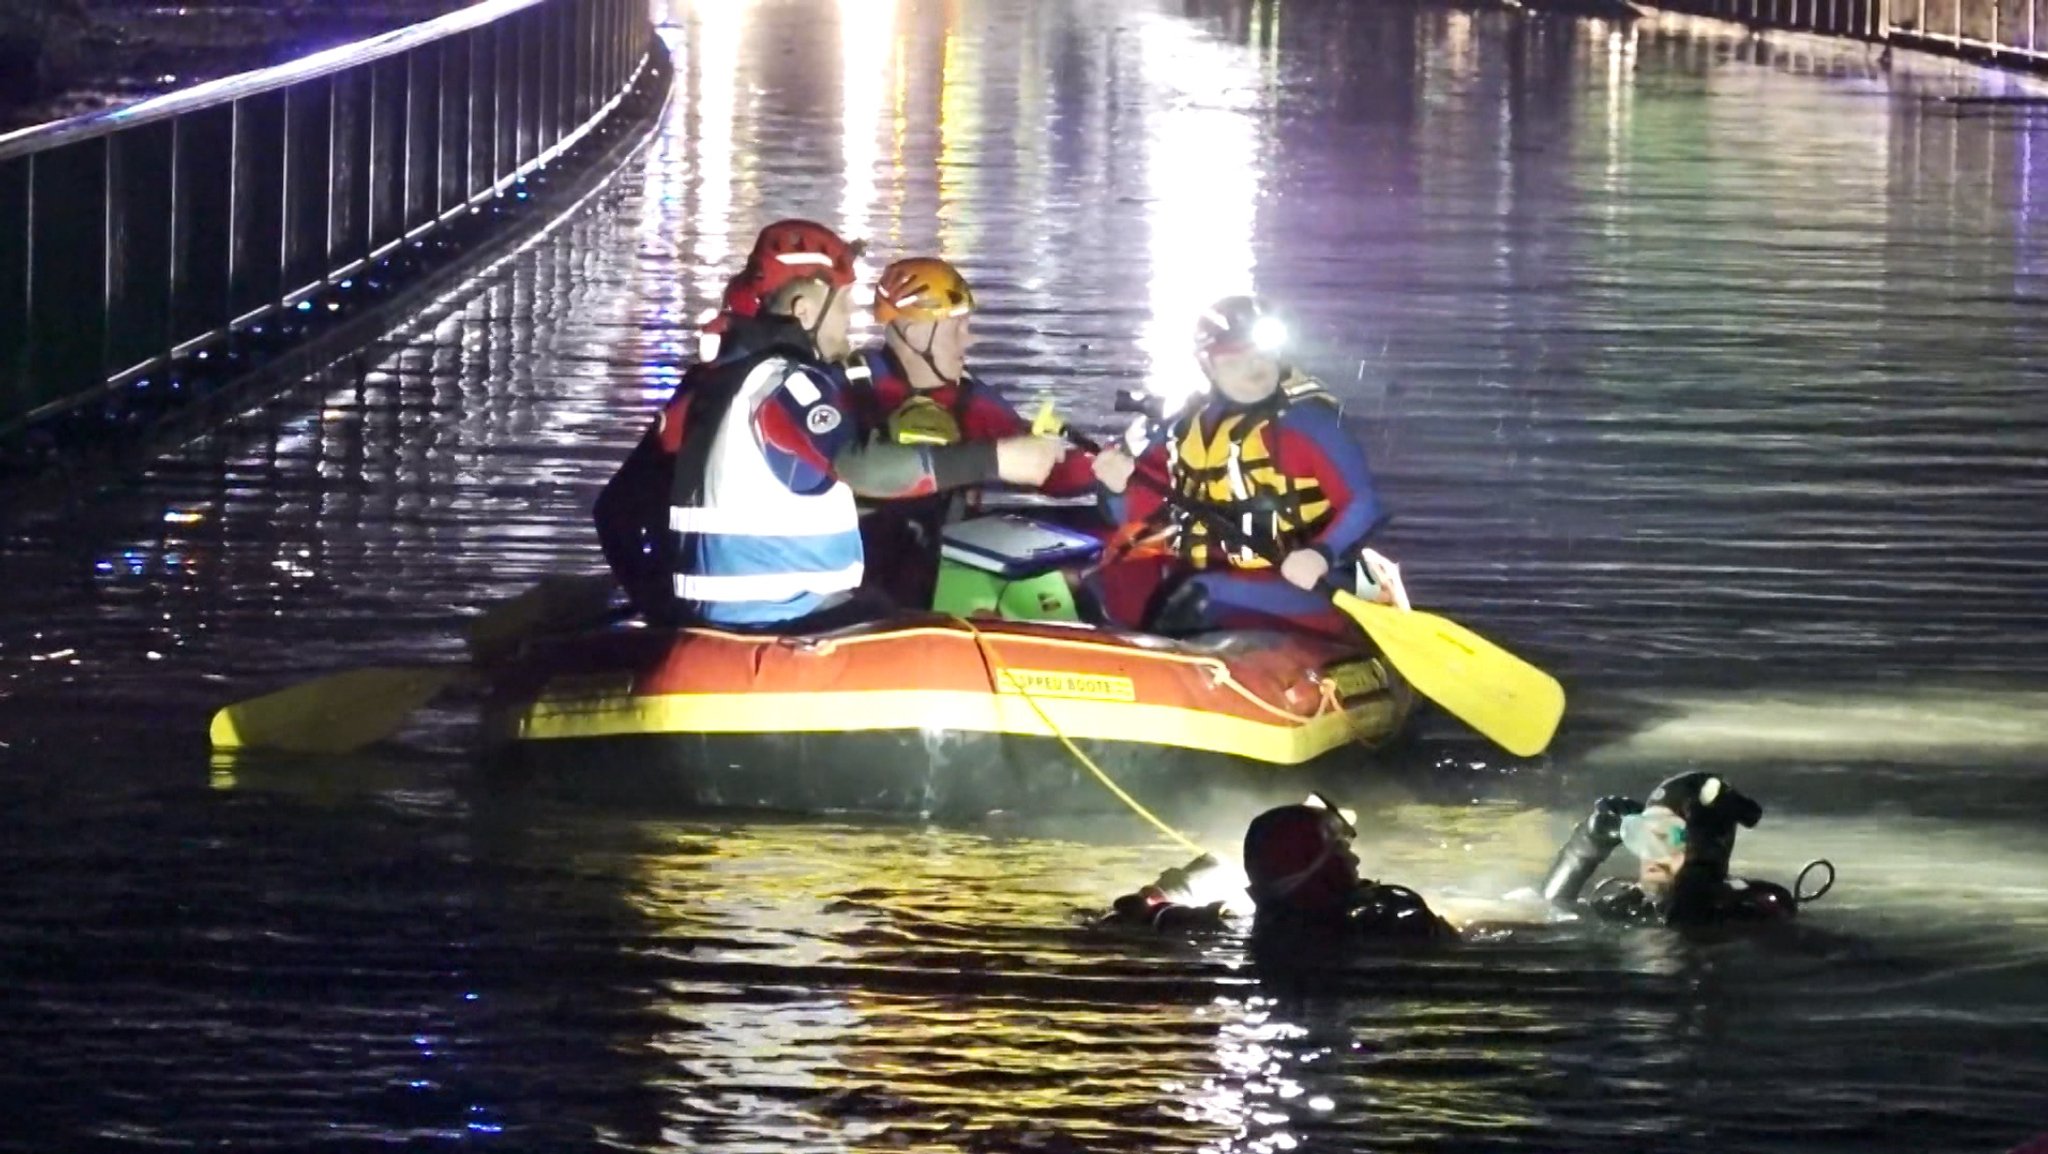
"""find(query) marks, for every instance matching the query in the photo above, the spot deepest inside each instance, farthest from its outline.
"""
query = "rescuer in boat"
(1265, 448)
(737, 508)
(1682, 836)
(1305, 889)
(914, 389)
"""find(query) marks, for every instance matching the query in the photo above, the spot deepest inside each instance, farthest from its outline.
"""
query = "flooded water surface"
(1706, 372)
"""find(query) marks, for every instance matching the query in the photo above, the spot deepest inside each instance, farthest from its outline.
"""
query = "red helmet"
(1294, 855)
(1239, 324)
(789, 251)
(741, 299)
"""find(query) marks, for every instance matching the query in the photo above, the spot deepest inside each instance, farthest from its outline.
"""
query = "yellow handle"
(1047, 423)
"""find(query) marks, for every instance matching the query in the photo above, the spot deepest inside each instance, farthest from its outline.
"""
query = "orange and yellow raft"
(936, 713)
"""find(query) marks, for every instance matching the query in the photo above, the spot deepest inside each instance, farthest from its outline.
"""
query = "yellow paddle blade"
(333, 714)
(1502, 696)
(556, 604)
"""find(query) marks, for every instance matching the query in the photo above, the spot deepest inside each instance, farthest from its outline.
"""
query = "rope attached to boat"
(997, 675)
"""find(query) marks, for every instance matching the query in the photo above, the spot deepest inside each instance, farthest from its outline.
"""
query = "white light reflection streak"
(899, 136)
(866, 30)
(719, 23)
(1254, 1051)
(960, 78)
(660, 348)
(1030, 128)
(1203, 163)
(1621, 76)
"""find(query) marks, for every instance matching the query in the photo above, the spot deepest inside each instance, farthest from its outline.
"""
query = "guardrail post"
(349, 174)
(202, 221)
(505, 113)
(546, 74)
(420, 193)
(68, 292)
(562, 90)
(586, 60)
(15, 249)
(483, 132)
(388, 151)
(258, 244)
(452, 154)
(530, 74)
(308, 169)
(139, 209)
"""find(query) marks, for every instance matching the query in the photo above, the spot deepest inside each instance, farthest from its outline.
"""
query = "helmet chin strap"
(811, 330)
(925, 354)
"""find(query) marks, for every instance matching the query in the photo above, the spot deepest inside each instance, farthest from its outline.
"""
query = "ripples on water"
(1704, 371)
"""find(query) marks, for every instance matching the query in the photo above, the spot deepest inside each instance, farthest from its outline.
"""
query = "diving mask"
(1344, 826)
(1655, 834)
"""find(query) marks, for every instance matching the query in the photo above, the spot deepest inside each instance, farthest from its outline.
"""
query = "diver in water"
(1305, 889)
(1682, 836)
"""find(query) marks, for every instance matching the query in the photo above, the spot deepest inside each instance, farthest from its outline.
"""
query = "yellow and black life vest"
(1230, 468)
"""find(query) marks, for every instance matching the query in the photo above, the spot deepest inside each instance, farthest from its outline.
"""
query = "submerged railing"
(131, 237)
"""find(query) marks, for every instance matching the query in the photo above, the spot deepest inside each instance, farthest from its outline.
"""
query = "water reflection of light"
(1030, 129)
(669, 171)
(719, 23)
(1269, 32)
(1460, 45)
(1254, 1053)
(959, 125)
(899, 136)
(866, 29)
(1621, 60)
(1203, 167)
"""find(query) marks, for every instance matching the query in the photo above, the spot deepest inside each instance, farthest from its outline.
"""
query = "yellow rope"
(997, 674)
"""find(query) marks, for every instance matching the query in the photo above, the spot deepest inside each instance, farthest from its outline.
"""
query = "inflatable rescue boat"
(937, 714)
(999, 699)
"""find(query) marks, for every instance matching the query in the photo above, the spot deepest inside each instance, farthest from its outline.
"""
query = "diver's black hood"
(1712, 810)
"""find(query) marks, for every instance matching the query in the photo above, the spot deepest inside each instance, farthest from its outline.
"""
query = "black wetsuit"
(1377, 912)
(1702, 895)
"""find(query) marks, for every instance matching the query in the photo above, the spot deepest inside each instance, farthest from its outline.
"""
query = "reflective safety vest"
(915, 420)
(1231, 469)
(748, 550)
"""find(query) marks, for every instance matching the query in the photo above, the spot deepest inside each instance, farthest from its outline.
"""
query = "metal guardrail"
(1860, 19)
(132, 236)
(2000, 31)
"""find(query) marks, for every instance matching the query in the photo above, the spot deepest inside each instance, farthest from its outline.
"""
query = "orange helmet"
(794, 250)
(922, 288)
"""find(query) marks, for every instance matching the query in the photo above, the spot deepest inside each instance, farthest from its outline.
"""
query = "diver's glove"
(1603, 825)
(1591, 842)
(1168, 904)
(1179, 884)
